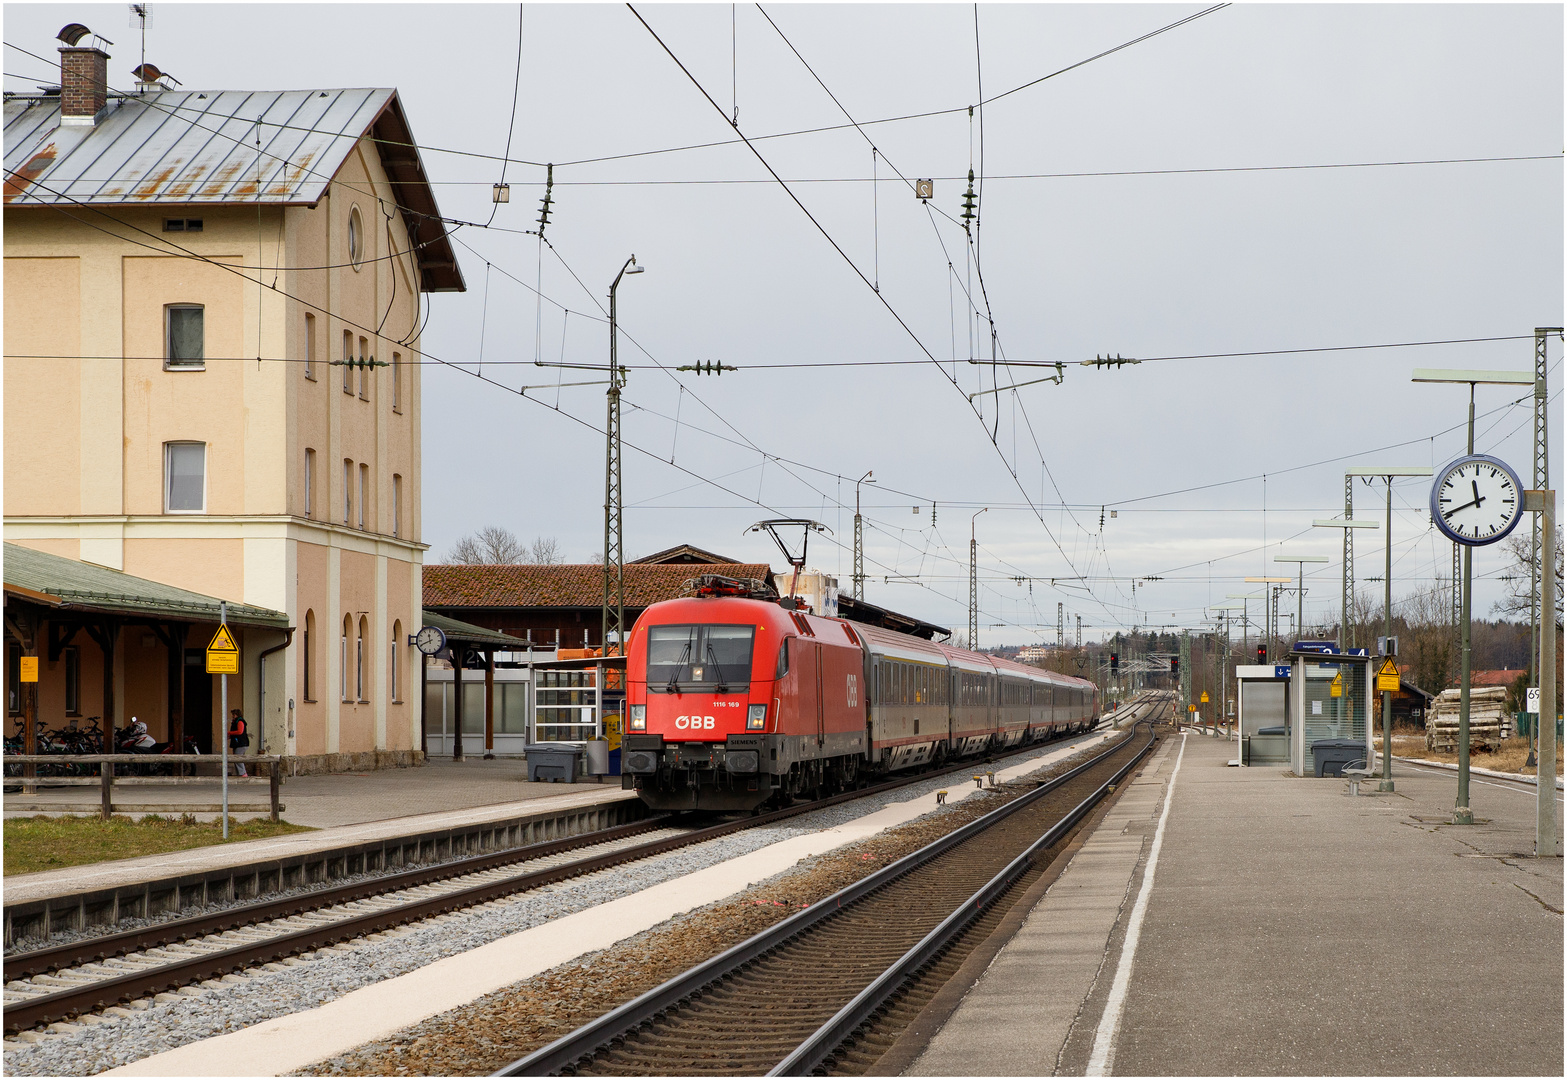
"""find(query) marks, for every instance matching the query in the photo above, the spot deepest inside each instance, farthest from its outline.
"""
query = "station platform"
(400, 820)
(1274, 925)
(329, 799)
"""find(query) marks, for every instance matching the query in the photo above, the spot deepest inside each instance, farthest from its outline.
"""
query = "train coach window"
(682, 657)
(782, 668)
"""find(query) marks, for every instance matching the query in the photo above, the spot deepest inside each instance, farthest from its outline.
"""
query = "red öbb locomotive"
(732, 701)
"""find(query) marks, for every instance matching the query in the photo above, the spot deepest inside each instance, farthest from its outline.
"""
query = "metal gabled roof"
(201, 148)
(74, 585)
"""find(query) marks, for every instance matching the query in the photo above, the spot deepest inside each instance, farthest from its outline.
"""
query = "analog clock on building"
(1476, 500)
(430, 640)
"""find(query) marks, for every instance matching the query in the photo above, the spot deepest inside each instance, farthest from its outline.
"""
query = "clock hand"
(1449, 513)
(1478, 497)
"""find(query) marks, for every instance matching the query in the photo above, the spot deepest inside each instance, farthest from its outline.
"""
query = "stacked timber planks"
(1488, 722)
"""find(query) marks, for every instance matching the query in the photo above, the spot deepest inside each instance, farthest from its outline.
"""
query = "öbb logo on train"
(695, 722)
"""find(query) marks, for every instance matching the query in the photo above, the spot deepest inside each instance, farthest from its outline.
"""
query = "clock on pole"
(1476, 500)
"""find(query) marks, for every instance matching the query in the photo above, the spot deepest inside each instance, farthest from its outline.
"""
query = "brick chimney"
(84, 84)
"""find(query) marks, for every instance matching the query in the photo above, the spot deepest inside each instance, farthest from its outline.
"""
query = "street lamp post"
(614, 612)
(1462, 814)
(1387, 472)
(1300, 589)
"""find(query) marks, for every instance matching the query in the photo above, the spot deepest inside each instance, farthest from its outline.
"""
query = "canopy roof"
(69, 584)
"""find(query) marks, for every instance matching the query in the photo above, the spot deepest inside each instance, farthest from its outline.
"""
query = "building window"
(356, 232)
(309, 656)
(348, 624)
(13, 678)
(182, 224)
(397, 505)
(364, 370)
(397, 382)
(184, 337)
(73, 681)
(348, 361)
(348, 491)
(397, 643)
(310, 346)
(310, 482)
(364, 492)
(359, 659)
(184, 478)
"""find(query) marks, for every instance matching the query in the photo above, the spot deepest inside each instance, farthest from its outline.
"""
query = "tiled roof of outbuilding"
(459, 585)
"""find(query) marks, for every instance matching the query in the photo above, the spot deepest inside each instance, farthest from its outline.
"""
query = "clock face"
(1476, 500)
(430, 640)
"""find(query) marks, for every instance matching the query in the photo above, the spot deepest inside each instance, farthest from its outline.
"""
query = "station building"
(212, 312)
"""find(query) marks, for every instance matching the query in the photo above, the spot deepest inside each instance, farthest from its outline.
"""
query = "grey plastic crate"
(1331, 755)
(553, 761)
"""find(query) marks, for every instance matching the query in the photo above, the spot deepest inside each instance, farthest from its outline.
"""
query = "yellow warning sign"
(1387, 676)
(29, 669)
(1191, 708)
(1205, 697)
(1336, 689)
(222, 653)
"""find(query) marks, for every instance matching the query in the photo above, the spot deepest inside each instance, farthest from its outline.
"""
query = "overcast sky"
(1137, 205)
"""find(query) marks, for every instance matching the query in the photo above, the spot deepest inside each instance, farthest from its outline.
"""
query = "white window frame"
(348, 361)
(343, 679)
(169, 363)
(356, 235)
(348, 491)
(397, 504)
(168, 476)
(364, 493)
(310, 346)
(310, 482)
(397, 382)
(364, 370)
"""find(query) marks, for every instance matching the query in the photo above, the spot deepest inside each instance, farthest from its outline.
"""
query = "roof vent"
(148, 77)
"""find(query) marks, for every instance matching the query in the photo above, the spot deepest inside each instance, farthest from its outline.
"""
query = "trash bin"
(553, 761)
(1331, 755)
(598, 757)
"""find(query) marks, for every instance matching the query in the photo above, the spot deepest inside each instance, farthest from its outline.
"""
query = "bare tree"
(493, 544)
(1427, 645)
(1516, 604)
(545, 551)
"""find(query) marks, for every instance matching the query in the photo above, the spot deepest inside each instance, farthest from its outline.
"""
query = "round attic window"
(356, 234)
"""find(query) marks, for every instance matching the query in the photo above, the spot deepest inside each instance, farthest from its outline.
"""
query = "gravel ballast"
(280, 989)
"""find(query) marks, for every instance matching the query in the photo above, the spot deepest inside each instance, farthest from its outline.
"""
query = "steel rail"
(45, 1008)
(820, 1046)
(596, 1034)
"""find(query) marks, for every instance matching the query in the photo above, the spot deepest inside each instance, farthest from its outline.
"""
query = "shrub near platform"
(50, 843)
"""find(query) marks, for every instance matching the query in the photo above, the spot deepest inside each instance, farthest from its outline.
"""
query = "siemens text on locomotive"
(732, 701)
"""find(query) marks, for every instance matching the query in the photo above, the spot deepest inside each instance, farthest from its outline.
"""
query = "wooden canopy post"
(489, 703)
(107, 633)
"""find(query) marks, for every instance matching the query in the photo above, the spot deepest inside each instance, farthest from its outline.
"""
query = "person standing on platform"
(239, 739)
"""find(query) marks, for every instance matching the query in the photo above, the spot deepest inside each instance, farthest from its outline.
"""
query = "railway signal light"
(1115, 661)
(1175, 665)
(1262, 654)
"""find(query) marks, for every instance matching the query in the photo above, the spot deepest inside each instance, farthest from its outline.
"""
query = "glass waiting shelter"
(1329, 698)
(579, 699)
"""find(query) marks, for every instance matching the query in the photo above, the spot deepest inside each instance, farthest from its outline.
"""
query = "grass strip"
(49, 843)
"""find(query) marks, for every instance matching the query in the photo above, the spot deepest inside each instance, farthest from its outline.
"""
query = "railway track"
(804, 995)
(60, 982)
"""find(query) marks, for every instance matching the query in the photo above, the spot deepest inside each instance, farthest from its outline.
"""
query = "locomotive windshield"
(713, 657)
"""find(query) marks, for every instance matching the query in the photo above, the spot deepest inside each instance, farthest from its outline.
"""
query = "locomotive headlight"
(756, 718)
(639, 718)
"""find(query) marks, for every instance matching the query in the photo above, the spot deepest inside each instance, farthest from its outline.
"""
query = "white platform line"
(1102, 1058)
